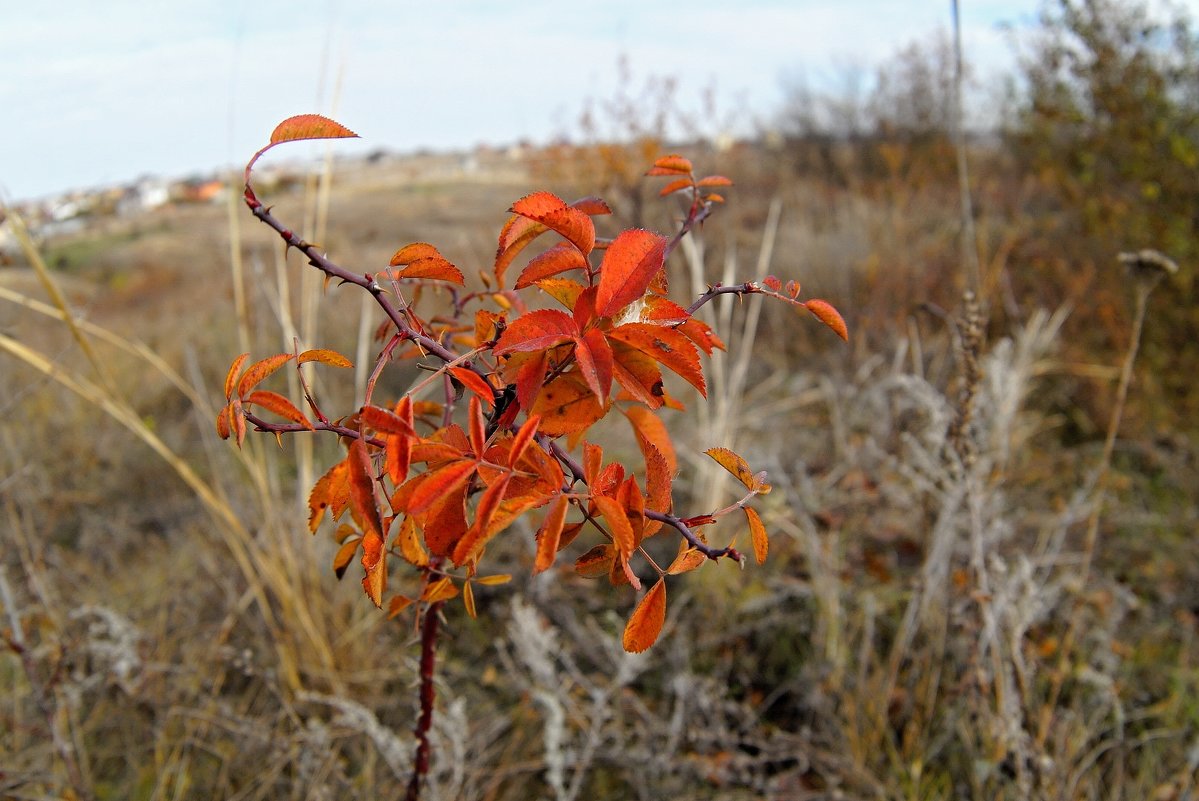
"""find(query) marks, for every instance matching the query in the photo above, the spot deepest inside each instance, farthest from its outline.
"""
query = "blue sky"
(99, 93)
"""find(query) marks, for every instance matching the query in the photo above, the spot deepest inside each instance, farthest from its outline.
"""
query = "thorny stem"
(428, 694)
(707, 550)
(714, 291)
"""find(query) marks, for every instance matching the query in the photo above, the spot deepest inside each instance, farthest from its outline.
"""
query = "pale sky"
(97, 93)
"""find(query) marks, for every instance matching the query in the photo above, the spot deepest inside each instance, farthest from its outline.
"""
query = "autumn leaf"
(475, 383)
(330, 357)
(537, 330)
(596, 562)
(595, 360)
(549, 534)
(714, 180)
(345, 555)
(385, 421)
(558, 259)
(442, 589)
(422, 260)
(825, 312)
(274, 402)
(259, 371)
(231, 376)
(666, 346)
(739, 468)
(567, 406)
(675, 186)
(551, 211)
(477, 536)
(362, 489)
(647, 620)
(410, 545)
(332, 492)
(687, 560)
(309, 126)
(622, 534)
(468, 600)
(374, 562)
(439, 483)
(523, 437)
(757, 533)
(629, 265)
(673, 164)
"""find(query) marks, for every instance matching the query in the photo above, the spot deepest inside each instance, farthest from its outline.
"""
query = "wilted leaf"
(647, 620)
(330, 357)
(309, 126)
(757, 533)
(629, 265)
(259, 371)
(825, 312)
(549, 534)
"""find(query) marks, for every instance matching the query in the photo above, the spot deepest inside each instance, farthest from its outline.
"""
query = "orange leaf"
(309, 126)
(330, 357)
(594, 206)
(825, 312)
(714, 180)
(274, 402)
(650, 430)
(674, 163)
(739, 468)
(596, 562)
(667, 346)
(259, 371)
(442, 589)
(516, 234)
(434, 268)
(621, 530)
(522, 439)
(537, 330)
(398, 604)
(757, 534)
(332, 492)
(558, 259)
(552, 212)
(222, 423)
(415, 252)
(562, 290)
(567, 406)
(439, 483)
(685, 562)
(362, 489)
(495, 580)
(399, 457)
(374, 561)
(385, 421)
(478, 428)
(469, 547)
(674, 186)
(231, 377)
(444, 522)
(629, 265)
(485, 326)
(475, 383)
(647, 620)
(549, 534)
(345, 555)
(638, 374)
(410, 544)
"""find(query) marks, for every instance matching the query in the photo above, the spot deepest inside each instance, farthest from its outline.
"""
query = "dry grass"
(176, 634)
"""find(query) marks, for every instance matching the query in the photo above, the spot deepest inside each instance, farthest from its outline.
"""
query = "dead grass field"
(924, 628)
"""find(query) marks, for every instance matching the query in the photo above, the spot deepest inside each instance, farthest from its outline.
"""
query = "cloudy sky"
(99, 93)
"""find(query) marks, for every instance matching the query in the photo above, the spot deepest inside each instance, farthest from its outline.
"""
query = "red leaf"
(273, 401)
(674, 186)
(667, 346)
(384, 421)
(434, 268)
(516, 234)
(309, 126)
(324, 356)
(475, 383)
(595, 360)
(669, 165)
(773, 283)
(440, 482)
(362, 489)
(231, 377)
(537, 330)
(549, 534)
(478, 427)
(259, 371)
(522, 439)
(552, 212)
(825, 312)
(558, 259)
(647, 620)
(629, 265)
(592, 205)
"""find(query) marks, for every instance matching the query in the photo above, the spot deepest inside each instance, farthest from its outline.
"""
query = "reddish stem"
(428, 694)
